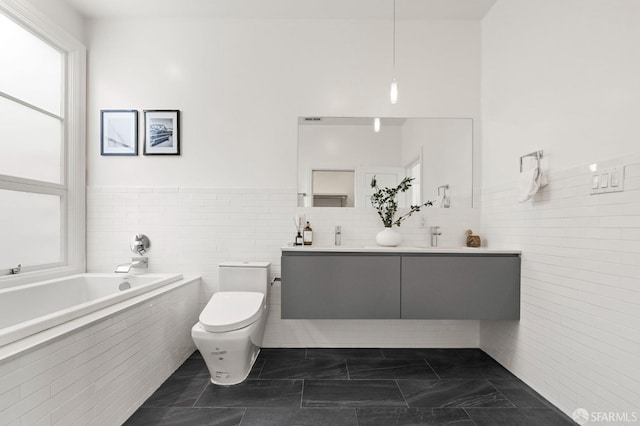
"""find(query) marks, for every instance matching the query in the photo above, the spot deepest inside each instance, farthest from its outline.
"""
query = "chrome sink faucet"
(435, 231)
(338, 235)
(136, 263)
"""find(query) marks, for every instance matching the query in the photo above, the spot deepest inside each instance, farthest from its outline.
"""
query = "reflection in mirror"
(338, 156)
(332, 188)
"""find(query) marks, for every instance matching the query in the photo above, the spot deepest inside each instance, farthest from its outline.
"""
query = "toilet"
(230, 328)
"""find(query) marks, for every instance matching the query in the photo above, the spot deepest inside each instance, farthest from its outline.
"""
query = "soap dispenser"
(307, 235)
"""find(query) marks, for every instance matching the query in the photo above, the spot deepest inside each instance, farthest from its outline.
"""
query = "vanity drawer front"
(344, 286)
(461, 287)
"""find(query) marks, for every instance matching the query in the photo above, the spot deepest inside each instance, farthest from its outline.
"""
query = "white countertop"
(400, 249)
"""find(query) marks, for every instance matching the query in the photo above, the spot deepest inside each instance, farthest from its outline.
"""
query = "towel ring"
(537, 154)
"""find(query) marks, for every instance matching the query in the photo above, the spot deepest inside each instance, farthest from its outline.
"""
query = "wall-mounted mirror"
(338, 156)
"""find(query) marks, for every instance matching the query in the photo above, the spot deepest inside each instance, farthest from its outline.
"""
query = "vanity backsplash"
(360, 226)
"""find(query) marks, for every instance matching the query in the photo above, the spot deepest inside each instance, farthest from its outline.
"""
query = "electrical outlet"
(423, 222)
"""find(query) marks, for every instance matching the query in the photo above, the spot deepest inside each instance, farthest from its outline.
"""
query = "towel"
(445, 203)
(529, 183)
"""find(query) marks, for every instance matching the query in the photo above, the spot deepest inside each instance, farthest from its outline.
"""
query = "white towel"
(530, 182)
(445, 203)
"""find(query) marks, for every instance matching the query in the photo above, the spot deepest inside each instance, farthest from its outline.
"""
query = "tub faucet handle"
(140, 244)
(16, 270)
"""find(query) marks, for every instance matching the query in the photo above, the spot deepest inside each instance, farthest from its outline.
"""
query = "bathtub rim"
(16, 332)
(25, 278)
(32, 284)
(14, 350)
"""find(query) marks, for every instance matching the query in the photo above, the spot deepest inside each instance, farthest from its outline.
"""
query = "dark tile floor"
(355, 387)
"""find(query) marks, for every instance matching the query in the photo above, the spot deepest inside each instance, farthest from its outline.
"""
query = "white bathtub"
(82, 352)
(29, 309)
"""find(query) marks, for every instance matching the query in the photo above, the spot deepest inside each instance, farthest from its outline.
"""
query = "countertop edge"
(409, 250)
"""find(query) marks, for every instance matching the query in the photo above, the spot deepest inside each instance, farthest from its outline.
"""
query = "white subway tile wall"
(578, 340)
(193, 229)
(101, 374)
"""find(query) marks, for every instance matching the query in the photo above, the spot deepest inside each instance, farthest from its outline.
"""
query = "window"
(41, 143)
(416, 185)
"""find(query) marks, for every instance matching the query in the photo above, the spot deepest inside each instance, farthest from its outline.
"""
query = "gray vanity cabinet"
(352, 285)
(456, 286)
(340, 286)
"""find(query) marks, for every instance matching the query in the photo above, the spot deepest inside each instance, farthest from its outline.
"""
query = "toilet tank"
(244, 276)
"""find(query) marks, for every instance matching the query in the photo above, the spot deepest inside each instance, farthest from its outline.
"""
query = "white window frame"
(72, 188)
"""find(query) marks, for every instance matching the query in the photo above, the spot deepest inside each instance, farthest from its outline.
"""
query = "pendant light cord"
(394, 38)
(393, 93)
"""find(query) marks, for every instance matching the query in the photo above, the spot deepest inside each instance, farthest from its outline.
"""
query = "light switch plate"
(608, 180)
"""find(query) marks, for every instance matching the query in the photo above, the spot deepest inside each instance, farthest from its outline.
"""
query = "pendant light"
(393, 94)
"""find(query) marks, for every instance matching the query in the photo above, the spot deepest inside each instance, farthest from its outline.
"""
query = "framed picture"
(161, 132)
(118, 132)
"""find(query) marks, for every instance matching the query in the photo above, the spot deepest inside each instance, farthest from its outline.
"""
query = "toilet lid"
(231, 310)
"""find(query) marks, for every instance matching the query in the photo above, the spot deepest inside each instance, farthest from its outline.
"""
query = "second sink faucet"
(435, 231)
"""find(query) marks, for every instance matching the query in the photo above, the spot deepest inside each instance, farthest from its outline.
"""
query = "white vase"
(388, 237)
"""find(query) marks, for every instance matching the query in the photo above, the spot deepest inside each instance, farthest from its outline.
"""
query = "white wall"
(563, 77)
(241, 86)
(560, 76)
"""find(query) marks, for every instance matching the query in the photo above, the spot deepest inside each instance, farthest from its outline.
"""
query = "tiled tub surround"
(578, 340)
(193, 229)
(355, 387)
(98, 369)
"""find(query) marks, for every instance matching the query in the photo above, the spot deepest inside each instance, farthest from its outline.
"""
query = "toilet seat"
(231, 310)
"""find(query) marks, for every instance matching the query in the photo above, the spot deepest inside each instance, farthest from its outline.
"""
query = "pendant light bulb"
(393, 93)
(376, 125)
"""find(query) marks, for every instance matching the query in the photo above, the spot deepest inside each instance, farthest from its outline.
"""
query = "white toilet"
(230, 328)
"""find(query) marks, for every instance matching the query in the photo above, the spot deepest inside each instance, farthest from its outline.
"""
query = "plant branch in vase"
(385, 201)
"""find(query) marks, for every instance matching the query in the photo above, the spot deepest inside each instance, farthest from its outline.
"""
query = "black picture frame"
(118, 132)
(161, 132)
